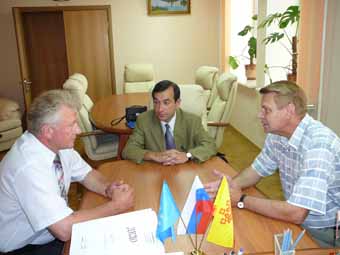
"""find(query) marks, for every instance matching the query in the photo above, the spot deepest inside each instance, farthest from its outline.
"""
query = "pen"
(298, 239)
(284, 240)
(287, 235)
(289, 239)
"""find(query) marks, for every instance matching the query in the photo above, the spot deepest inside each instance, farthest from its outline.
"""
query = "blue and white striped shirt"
(309, 166)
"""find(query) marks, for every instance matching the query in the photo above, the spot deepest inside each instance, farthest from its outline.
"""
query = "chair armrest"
(94, 132)
(217, 124)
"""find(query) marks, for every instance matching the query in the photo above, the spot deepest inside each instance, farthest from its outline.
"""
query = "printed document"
(129, 233)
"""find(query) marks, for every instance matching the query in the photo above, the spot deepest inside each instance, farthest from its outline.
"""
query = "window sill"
(251, 84)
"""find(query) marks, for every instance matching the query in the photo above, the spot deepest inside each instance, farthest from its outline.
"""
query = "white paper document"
(124, 234)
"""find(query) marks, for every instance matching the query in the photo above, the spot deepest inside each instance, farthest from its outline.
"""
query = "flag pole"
(196, 226)
(186, 229)
(211, 216)
(197, 251)
(199, 247)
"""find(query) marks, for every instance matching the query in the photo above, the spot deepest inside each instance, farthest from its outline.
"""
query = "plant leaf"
(245, 30)
(269, 20)
(252, 47)
(273, 37)
(233, 62)
(291, 15)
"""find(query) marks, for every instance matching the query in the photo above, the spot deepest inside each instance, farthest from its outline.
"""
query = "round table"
(113, 107)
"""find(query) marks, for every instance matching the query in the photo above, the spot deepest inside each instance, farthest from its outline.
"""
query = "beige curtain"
(309, 47)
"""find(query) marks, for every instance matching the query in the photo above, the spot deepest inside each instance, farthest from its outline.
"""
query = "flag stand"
(186, 228)
(197, 252)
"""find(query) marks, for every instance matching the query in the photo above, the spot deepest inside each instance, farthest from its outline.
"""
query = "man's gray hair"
(45, 108)
(287, 92)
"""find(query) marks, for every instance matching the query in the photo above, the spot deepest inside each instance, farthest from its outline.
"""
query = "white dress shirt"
(171, 124)
(29, 193)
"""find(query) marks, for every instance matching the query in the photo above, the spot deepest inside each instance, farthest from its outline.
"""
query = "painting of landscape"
(157, 7)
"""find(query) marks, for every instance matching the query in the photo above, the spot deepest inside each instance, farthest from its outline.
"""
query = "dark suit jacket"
(189, 136)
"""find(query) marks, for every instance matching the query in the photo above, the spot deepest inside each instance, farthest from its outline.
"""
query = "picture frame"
(168, 7)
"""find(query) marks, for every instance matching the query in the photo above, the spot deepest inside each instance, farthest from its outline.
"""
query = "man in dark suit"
(167, 134)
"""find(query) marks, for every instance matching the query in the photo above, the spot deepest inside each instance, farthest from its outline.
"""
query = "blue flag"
(167, 215)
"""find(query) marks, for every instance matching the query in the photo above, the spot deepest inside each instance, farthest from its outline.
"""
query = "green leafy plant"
(282, 21)
(251, 44)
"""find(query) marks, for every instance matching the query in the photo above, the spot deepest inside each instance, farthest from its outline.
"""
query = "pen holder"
(278, 238)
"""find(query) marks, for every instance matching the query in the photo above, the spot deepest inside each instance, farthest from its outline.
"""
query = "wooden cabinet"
(55, 42)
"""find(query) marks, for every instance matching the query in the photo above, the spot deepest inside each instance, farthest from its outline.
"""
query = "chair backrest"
(138, 78)
(206, 76)
(222, 106)
(193, 100)
(9, 109)
(78, 88)
(10, 123)
(82, 80)
(96, 147)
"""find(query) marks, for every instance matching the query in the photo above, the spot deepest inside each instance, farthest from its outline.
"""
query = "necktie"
(169, 139)
(60, 176)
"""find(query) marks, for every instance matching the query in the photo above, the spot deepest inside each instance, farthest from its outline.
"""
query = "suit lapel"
(179, 131)
(157, 132)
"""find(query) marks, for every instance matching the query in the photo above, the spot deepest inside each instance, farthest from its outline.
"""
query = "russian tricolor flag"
(197, 210)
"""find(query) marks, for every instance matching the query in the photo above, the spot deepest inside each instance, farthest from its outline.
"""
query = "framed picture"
(168, 7)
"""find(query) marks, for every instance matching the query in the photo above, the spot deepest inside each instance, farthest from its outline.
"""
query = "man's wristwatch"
(240, 203)
(189, 155)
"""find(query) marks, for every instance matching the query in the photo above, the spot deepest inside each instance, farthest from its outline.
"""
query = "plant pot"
(291, 77)
(251, 71)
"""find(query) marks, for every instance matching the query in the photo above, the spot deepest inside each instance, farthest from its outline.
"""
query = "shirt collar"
(44, 152)
(171, 123)
(297, 136)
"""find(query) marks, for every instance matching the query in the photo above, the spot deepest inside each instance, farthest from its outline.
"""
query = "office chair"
(206, 76)
(138, 78)
(10, 123)
(98, 144)
(221, 109)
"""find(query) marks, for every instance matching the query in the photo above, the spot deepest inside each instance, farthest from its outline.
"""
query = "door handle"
(311, 107)
(27, 85)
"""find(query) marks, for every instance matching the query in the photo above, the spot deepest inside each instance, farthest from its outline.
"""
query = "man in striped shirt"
(307, 156)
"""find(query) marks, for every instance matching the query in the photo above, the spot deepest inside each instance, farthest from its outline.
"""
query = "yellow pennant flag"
(222, 228)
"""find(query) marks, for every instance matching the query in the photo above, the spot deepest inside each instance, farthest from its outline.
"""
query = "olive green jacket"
(189, 136)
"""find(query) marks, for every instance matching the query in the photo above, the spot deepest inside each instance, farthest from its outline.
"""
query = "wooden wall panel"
(88, 51)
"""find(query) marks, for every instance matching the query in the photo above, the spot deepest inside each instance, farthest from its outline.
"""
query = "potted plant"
(289, 17)
(251, 44)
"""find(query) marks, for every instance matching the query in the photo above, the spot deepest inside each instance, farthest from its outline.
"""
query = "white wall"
(176, 45)
(330, 89)
(244, 117)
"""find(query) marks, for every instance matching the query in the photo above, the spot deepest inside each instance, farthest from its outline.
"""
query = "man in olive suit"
(167, 134)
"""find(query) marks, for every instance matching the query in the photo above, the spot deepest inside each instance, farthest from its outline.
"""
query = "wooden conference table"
(112, 107)
(253, 232)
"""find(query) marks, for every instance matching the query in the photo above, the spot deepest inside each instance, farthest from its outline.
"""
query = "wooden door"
(46, 50)
(54, 42)
(22, 54)
(88, 49)
(44, 61)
